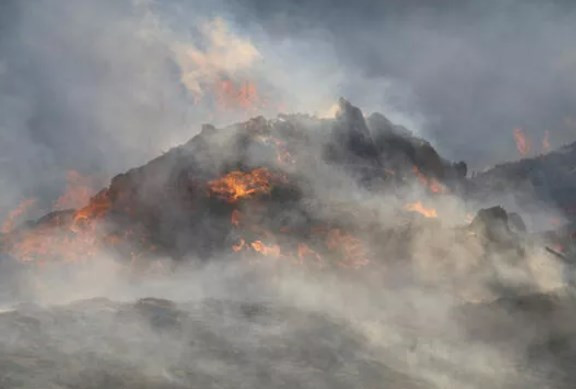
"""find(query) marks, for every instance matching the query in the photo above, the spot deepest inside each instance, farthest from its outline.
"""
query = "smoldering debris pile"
(343, 193)
(266, 186)
(323, 193)
(392, 281)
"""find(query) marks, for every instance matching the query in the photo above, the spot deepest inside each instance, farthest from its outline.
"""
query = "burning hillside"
(246, 187)
(285, 205)
(278, 190)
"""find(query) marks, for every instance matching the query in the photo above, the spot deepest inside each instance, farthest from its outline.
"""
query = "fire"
(337, 247)
(421, 209)
(237, 95)
(431, 183)
(78, 191)
(16, 213)
(218, 55)
(239, 246)
(97, 207)
(237, 185)
(266, 250)
(68, 238)
(522, 142)
(46, 244)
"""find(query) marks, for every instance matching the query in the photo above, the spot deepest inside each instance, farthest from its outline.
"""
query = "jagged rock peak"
(352, 117)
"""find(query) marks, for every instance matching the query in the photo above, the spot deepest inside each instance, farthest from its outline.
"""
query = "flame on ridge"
(522, 142)
(432, 184)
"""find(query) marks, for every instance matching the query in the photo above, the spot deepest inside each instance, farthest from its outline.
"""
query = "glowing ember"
(239, 246)
(15, 214)
(97, 207)
(421, 209)
(42, 245)
(432, 184)
(266, 250)
(76, 237)
(237, 185)
(522, 143)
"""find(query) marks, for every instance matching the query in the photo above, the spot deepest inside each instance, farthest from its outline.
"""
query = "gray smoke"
(95, 86)
(473, 69)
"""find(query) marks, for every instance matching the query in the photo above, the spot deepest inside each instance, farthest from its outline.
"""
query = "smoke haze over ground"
(335, 250)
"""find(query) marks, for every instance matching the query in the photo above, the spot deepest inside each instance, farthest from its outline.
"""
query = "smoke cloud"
(104, 86)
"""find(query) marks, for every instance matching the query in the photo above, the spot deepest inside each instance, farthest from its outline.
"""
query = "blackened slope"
(550, 178)
(167, 204)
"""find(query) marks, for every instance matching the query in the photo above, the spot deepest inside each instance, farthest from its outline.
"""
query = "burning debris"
(276, 194)
(421, 209)
(193, 191)
(252, 191)
(238, 185)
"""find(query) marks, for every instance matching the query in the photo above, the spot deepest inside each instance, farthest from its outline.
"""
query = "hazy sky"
(98, 86)
(474, 70)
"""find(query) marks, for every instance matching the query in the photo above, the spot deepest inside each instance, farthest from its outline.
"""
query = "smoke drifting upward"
(345, 250)
(81, 82)
(98, 87)
(474, 70)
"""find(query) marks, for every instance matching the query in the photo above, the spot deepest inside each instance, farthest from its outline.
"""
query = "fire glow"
(16, 214)
(418, 207)
(522, 142)
(238, 185)
(237, 95)
(75, 238)
(432, 184)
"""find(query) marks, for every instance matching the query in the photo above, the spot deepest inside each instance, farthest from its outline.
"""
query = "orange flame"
(97, 207)
(421, 209)
(242, 95)
(266, 250)
(78, 191)
(16, 213)
(522, 142)
(76, 238)
(239, 246)
(237, 185)
(346, 249)
(431, 183)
